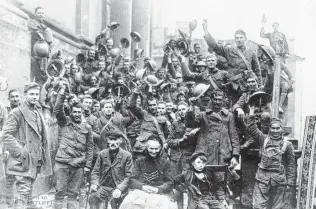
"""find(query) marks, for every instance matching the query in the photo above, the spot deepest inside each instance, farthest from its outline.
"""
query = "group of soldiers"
(140, 136)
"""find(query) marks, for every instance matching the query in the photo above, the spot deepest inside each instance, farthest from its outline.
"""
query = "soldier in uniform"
(276, 171)
(149, 124)
(240, 59)
(39, 31)
(218, 137)
(210, 74)
(25, 137)
(275, 38)
(14, 99)
(182, 146)
(75, 152)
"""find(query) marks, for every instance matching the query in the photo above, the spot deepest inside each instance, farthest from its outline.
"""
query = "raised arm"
(90, 148)
(59, 107)
(137, 111)
(252, 128)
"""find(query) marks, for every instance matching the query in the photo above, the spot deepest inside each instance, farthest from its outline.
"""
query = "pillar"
(121, 12)
(106, 14)
(141, 23)
(82, 18)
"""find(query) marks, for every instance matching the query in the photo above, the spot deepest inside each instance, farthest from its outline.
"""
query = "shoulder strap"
(265, 142)
(244, 59)
(213, 83)
(107, 124)
(285, 143)
(159, 130)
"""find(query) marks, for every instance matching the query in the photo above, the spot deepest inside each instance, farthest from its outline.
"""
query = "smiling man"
(75, 152)
(240, 59)
(276, 171)
(151, 179)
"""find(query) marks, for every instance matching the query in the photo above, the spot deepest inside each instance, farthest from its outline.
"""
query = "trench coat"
(218, 136)
(25, 144)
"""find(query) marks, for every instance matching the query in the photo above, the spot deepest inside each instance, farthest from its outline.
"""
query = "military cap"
(31, 85)
(113, 134)
(217, 93)
(181, 93)
(183, 103)
(249, 74)
(241, 32)
(196, 155)
(276, 120)
(200, 64)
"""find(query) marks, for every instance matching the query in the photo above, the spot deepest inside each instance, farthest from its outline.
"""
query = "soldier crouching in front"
(276, 171)
(110, 174)
(75, 152)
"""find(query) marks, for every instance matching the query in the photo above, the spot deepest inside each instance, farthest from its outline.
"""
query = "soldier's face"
(96, 107)
(101, 65)
(191, 88)
(275, 27)
(152, 106)
(153, 148)
(91, 54)
(32, 96)
(182, 110)
(67, 69)
(94, 81)
(40, 14)
(161, 109)
(72, 101)
(138, 102)
(240, 40)
(14, 99)
(252, 84)
(160, 74)
(199, 164)
(175, 62)
(109, 44)
(87, 103)
(76, 114)
(108, 109)
(211, 62)
(173, 86)
(276, 131)
(181, 98)
(114, 143)
(217, 102)
(74, 69)
(169, 106)
(197, 48)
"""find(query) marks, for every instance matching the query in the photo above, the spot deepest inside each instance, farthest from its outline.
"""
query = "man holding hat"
(25, 137)
(276, 171)
(240, 59)
(75, 152)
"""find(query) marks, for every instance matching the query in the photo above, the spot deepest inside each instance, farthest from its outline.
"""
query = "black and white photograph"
(157, 104)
